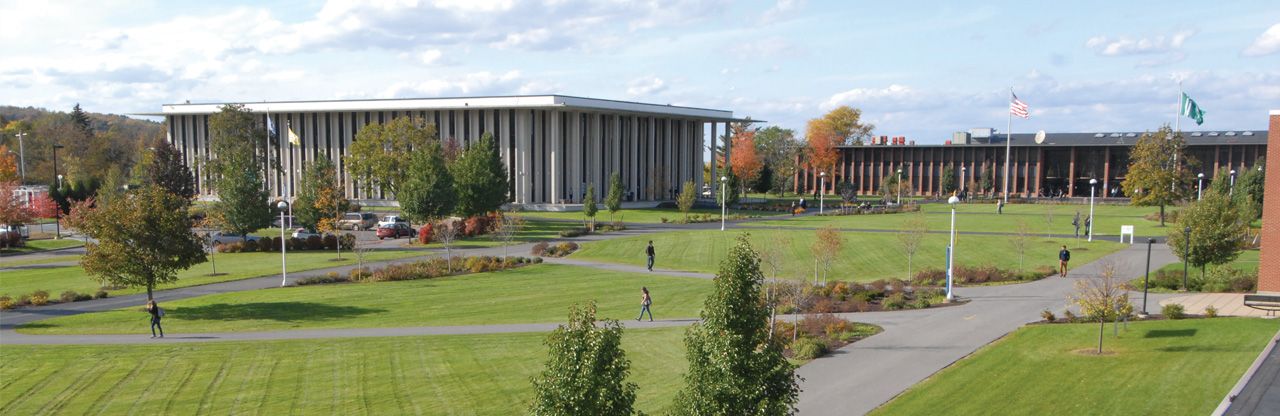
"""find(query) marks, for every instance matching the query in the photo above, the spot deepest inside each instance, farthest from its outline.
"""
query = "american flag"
(1018, 108)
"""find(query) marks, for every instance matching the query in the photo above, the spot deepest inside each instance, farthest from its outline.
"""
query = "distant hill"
(104, 151)
(99, 122)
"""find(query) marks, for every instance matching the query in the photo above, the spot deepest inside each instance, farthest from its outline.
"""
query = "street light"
(1093, 184)
(57, 211)
(951, 247)
(1199, 185)
(22, 157)
(283, 207)
(724, 200)
(1186, 254)
(1232, 191)
(822, 185)
(899, 186)
(962, 184)
(1146, 278)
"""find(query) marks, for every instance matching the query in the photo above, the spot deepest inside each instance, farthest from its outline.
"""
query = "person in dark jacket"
(1064, 256)
(648, 251)
(156, 314)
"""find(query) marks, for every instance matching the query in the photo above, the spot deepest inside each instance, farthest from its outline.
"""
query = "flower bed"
(979, 275)
(544, 249)
(816, 335)
(840, 297)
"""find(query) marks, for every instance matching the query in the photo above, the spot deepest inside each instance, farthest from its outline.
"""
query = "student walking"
(1064, 256)
(648, 251)
(1076, 223)
(645, 301)
(156, 314)
(1088, 226)
(999, 206)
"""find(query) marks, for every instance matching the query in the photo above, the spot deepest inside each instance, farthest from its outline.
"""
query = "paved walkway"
(1227, 304)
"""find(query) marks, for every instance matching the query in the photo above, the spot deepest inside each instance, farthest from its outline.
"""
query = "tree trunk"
(1161, 215)
(1102, 327)
(909, 256)
(151, 284)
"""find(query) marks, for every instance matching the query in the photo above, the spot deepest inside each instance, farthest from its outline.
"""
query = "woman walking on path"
(645, 301)
(156, 314)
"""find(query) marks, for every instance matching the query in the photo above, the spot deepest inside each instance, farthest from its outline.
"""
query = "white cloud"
(770, 47)
(475, 83)
(429, 56)
(646, 86)
(781, 10)
(1125, 45)
(1267, 43)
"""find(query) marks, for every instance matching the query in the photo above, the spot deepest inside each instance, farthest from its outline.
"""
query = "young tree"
(428, 192)
(507, 228)
(1251, 182)
(1101, 298)
(1048, 219)
(948, 179)
(480, 178)
(589, 207)
(586, 369)
(826, 247)
(890, 187)
(320, 199)
(777, 147)
(235, 170)
(377, 158)
(141, 239)
(445, 232)
(735, 368)
(772, 257)
(688, 194)
(613, 199)
(847, 124)
(1154, 177)
(1215, 231)
(988, 183)
(912, 236)
(163, 167)
(1021, 240)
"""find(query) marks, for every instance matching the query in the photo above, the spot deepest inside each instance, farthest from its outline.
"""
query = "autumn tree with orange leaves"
(746, 162)
(822, 140)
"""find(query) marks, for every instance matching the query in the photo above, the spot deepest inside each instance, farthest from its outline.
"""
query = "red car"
(395, 230)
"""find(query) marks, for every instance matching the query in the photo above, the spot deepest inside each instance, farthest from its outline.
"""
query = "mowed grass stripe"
(75, 388)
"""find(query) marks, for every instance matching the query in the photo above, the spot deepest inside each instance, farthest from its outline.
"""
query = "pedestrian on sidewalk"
(1076, 223)
(156, 314)
(648, 251)
(645, 301)
(793, 208)
(999, 207)
(1064, 256)
(1088, 226)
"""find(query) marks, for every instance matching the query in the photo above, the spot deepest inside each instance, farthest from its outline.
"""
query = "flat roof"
(449, 103)
(1194, 138)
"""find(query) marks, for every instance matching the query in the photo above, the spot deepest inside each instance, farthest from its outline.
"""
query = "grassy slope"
(464, 374)
(982, 217)
(644, 215)
(1160, 368)
(531, 294)
(866, 256)
(55, 280)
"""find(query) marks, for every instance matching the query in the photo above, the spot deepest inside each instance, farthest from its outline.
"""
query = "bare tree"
(800, 294)
(447, 231)
(1020, 240)
(772, 257)
(1101, 298)
(1048, 219)
(507, 228)
(912, 236)
(825, 248)
(361, 253)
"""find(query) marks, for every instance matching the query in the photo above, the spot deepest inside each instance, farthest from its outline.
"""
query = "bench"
(1269, 303)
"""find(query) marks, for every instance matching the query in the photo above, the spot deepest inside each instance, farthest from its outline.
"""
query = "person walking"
(999, 207)
(1064, 256)
(1076, 223)
(1088, 229)
(156, 314)
(648, 251)
(645, 301)
(793, 208)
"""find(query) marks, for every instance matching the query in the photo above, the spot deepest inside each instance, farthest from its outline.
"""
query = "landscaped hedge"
(272, 244)
(1224, 278)
(41, 297)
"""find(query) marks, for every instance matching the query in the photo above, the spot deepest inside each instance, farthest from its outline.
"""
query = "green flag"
(1191, 110)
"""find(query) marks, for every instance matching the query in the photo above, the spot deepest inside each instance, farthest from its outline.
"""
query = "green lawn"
(435, 375)
(983, 217)
(14, 261)
(866, 255)
(1158, 368)
(533, 294)
(644, 215)
(33, 246)
(236, 266)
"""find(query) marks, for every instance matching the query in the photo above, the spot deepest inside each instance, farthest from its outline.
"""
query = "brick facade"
(1269, 267)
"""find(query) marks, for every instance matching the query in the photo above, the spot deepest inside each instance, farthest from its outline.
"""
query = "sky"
(917, 69)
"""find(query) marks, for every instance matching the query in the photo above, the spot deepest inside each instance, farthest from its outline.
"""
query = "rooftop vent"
(1230, 133)
(1196, 134)
(1246, 133)
(1213, 133)
(1099, 135)
(1115, 134)
(1130, 135)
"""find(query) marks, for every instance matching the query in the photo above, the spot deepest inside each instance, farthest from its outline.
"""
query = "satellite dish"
(1040, 137)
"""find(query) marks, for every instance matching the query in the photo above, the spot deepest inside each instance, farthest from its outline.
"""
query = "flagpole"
(1008, 141)
(1177, 118)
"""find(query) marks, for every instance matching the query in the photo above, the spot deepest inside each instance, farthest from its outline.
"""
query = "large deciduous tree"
(847, 124)
(320, 200)
(480, 178)
(378, 158)
(236, 170)
(1216, 229)
(1157, 174)
(142, 238)
(821, 150)
(746, 162)
(428, 192)
(12, 210)
(778, 148)
(586, 369)
(735, 367)
(164, 168)
(8, 165)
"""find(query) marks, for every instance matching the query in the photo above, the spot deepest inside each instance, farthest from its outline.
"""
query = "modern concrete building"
(1061, 165)
(554, 145)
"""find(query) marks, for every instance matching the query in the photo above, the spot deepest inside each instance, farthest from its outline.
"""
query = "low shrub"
(617, 226)
(358, 274)
(23, 300)
(39, 297)
(562, 249)
(895, 301)
(232, 247)
(331, 277)
(6, 303)
(330, 242)
(574, 232)
(1173, 311)
(348, 241)
(539, 249)
(807, 348)
(314, 242)
(72, 296)
(476, 225)
(1048, 316)
(1210, 312)
(100, 294)
(424, 234)
(1226, 278)
(1069, 316)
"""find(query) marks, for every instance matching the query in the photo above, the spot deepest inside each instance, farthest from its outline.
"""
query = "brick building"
(1269, 265)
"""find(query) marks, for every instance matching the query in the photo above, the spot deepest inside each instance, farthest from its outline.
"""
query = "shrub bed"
(41, 297)
(701, 218)
(1223, 278)
(272, 244)
(869, 209)
(977, 275)
(423, 269)
(839, 297)
(818, 334)
(562, 249)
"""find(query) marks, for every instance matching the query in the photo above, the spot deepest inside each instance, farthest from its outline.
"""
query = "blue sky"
(916, 69)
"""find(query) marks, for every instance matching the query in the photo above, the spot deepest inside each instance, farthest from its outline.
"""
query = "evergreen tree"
(427, 192)
(735, 367)
(613, 200)
(586, 369)
(320, 197)
(81, 121)
(764, 182)
(235, 171)
(948, 179)
(480, 178)
(163, 167)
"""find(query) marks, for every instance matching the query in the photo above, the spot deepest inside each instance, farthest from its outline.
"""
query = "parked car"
(357, 221)
(303, 233)
(288, 221)
(218, 238)
(391, 219)
(395, 230)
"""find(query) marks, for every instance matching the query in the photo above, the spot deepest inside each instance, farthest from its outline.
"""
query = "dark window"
(511, 155)
(466, 125)
(545, 171)
(453, 123)
(482, 126)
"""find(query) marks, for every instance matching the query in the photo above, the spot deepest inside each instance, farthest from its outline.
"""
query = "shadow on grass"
(1170, 333)
(275, 311)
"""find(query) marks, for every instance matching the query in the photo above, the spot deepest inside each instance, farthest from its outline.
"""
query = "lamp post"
(57, 210)
(724, 200)
(1093, 184)
(22, 157)
(822, 185)
(1186, 254)
(899, 186)
(1232, 191)
(1146, 278)
(962, 183)
(283, 207)
(1199, 185)
(951, 246)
